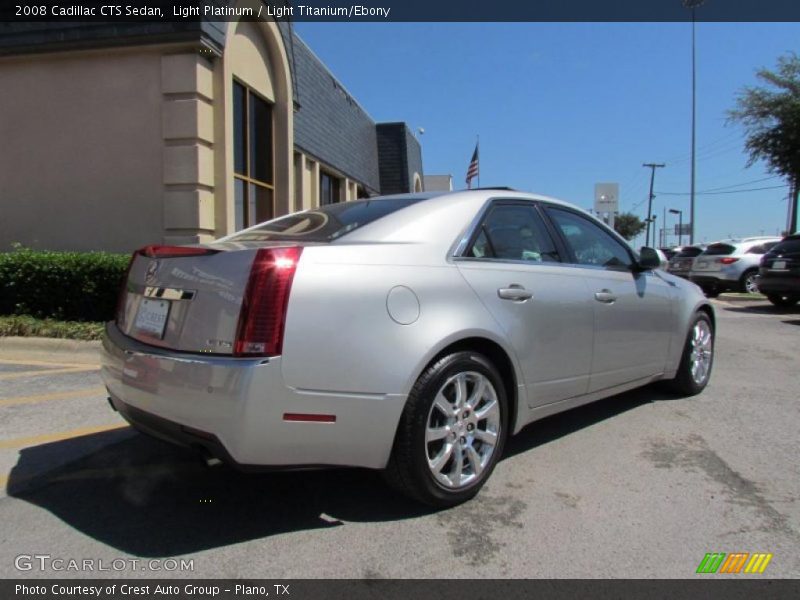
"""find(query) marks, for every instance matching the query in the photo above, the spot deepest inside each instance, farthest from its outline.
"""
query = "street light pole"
(693, 4)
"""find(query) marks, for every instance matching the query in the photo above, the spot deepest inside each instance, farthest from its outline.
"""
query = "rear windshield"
(719, 249)
(791, 246)
(688, 252)
(325, 223)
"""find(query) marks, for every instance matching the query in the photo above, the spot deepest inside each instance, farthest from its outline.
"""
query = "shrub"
(69, 286)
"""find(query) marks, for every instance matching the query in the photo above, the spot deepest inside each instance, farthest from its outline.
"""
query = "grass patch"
(744, 296)
(22, 325)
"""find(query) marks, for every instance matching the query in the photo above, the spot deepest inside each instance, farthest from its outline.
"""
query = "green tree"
(628, 225)
(771, 117)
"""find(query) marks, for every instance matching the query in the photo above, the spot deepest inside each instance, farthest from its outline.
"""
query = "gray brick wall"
(329, 124)
(400, 157)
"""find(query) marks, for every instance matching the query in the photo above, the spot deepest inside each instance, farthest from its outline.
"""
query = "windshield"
(325, 223)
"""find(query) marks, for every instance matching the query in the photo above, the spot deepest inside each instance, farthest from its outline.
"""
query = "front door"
(517, 270)
(633, 316)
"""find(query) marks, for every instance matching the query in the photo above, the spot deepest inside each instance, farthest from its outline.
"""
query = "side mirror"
(650, 258)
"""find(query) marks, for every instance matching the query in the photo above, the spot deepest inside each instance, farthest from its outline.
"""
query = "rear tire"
(711, 292)
(697, 359)
(783, 300)
(452, 431)
(747, 283)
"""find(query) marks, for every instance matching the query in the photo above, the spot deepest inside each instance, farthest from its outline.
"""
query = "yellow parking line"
(54, 396)
(7, 376)
(57, 437)
(39, 363)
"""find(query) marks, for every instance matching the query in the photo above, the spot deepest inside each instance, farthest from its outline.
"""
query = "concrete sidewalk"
(50, 349)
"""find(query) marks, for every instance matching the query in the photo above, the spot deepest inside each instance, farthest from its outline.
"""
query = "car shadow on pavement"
(552, 428)
(151, 499)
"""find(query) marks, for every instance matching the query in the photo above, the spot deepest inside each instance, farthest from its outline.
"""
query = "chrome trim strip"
(168, 293)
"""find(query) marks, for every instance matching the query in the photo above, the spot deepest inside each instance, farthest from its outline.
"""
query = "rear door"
(632, 310)
(515, 265)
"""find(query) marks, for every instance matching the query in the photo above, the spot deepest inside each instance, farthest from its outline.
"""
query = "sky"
(562, 106)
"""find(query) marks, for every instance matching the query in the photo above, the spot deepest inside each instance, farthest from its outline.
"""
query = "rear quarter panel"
(340, 336)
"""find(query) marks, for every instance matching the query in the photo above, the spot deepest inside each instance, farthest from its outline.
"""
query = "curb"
(50, 349)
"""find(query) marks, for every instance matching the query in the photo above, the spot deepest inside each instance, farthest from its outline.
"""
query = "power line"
(733, 185)
(773, 187)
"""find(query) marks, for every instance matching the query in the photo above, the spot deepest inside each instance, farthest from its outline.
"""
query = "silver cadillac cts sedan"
(410, 333)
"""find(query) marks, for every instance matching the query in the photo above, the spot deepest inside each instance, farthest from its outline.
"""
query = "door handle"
(515, 292)
(605, 296)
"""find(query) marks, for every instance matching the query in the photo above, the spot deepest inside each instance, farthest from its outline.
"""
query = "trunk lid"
(187, 298)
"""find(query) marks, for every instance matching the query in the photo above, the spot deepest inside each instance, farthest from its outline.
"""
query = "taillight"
(263, 315)
(156, 251)
(728, 260)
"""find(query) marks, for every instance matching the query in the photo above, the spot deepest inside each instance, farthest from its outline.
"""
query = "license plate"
(779, 265)
(151, 319)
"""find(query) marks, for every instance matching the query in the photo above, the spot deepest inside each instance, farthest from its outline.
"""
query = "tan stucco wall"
(81, 162)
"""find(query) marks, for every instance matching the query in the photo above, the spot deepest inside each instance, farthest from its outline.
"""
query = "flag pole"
(478, 146)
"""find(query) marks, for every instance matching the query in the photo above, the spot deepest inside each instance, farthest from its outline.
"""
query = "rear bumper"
(235, 408)
(778, 285)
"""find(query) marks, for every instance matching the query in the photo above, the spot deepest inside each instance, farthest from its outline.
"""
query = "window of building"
(252, 157)
(328, 189)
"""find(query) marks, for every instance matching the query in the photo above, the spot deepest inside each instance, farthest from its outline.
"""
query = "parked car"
(409, 333)
(779, 272)
(681, 263)
(730, 265)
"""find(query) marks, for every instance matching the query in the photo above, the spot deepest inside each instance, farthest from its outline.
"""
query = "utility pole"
(652, 167)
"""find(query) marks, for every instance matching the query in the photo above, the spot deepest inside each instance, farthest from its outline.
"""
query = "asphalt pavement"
(640, 485)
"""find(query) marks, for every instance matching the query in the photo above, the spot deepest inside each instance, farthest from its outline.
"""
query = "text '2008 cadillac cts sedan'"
(406, 333)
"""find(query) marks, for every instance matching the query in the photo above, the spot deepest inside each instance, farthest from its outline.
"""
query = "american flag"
(472, 170)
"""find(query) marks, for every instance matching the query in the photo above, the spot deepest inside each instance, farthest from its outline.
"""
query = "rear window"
(791, 246)
(688, 252)
(719, 249)
(325, 223)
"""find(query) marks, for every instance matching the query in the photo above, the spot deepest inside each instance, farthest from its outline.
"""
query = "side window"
(514, 232)
(590, 244)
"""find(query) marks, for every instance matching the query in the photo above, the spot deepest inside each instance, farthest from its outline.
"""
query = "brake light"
(157, 251)
(263, 315)
(728, 260)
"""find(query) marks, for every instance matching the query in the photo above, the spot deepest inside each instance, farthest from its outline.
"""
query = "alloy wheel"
(462, 430)
(701, 351)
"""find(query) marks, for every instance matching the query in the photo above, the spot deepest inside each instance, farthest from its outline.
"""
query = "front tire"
(697, 358)
(452, 431)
